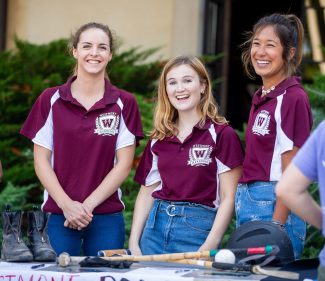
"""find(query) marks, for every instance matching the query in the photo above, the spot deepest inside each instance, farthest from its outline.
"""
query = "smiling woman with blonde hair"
(189, 169)
(166, 114)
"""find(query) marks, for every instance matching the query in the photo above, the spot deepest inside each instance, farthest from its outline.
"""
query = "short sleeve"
(147, 172)
(296, 118)
(38, 126)
(130, 127)
(229, 151)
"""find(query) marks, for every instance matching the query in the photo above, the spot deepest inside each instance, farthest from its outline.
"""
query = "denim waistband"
(174, 208)
(257, 183)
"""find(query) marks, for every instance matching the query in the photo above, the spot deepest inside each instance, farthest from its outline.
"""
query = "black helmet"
(260, 234)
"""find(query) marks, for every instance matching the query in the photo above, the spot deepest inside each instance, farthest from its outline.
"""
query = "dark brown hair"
(290, 31)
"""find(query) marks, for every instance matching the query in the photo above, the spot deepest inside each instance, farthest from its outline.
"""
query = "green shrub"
(15, 195)
(316, 91)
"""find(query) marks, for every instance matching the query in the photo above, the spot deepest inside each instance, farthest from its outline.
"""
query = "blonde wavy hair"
(165, 115)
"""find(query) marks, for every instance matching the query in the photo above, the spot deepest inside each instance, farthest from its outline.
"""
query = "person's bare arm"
(142, 208)
(292, 190)
(228, 187)
(281, 212)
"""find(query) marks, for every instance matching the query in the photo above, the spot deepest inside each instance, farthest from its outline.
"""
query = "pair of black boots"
(14, 247)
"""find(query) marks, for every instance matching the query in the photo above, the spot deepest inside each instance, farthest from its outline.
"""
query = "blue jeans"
(256, 201)
(106, 231)
(174, 227)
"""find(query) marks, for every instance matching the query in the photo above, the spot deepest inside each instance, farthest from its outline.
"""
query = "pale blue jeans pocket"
(176, 227)
(256, 201)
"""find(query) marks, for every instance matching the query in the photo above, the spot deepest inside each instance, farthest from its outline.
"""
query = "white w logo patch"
(261, 123)
(199, 155)
(107, 124)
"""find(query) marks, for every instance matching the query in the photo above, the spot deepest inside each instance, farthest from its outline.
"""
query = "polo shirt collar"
(279, 90)
(206, 126)
(111, 93)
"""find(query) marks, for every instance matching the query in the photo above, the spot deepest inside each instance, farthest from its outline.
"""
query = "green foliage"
(128, 71)
(15, 195)
(130, 188)
(24, 74)
(316, 91)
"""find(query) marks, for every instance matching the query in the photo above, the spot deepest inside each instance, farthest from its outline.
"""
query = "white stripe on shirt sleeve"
(44, 136)
(125, 137)
(281, 145)
(154, 175)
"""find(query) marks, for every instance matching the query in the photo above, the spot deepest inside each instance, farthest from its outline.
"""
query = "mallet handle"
(203, 254)
(65, 259)
(242, 267)
(162, 257)
(217, 265)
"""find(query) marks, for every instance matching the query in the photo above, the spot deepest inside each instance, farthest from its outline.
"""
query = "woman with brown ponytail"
(279, 122)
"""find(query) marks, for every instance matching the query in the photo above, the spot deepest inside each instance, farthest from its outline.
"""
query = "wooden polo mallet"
(268, 249)
(65, 259)
(190, 258)
(240, 267)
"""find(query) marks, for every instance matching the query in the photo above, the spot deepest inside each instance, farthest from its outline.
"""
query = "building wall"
(174, 25)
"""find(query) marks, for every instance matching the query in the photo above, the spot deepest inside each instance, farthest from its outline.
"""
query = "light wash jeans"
(106, 231)
(174, 227)
(256, 201)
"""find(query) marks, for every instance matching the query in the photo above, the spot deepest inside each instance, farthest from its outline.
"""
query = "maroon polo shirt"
(83, 143)
(189, 171)
(277, 122)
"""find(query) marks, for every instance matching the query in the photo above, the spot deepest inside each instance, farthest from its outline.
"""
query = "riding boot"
(13, 246)
(38, 238)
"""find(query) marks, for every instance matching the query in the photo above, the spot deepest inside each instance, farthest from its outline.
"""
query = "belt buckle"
(170, 209)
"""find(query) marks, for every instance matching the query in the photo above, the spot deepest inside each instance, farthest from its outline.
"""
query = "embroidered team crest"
(107, 124)
(199, 155)
(261, 123)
